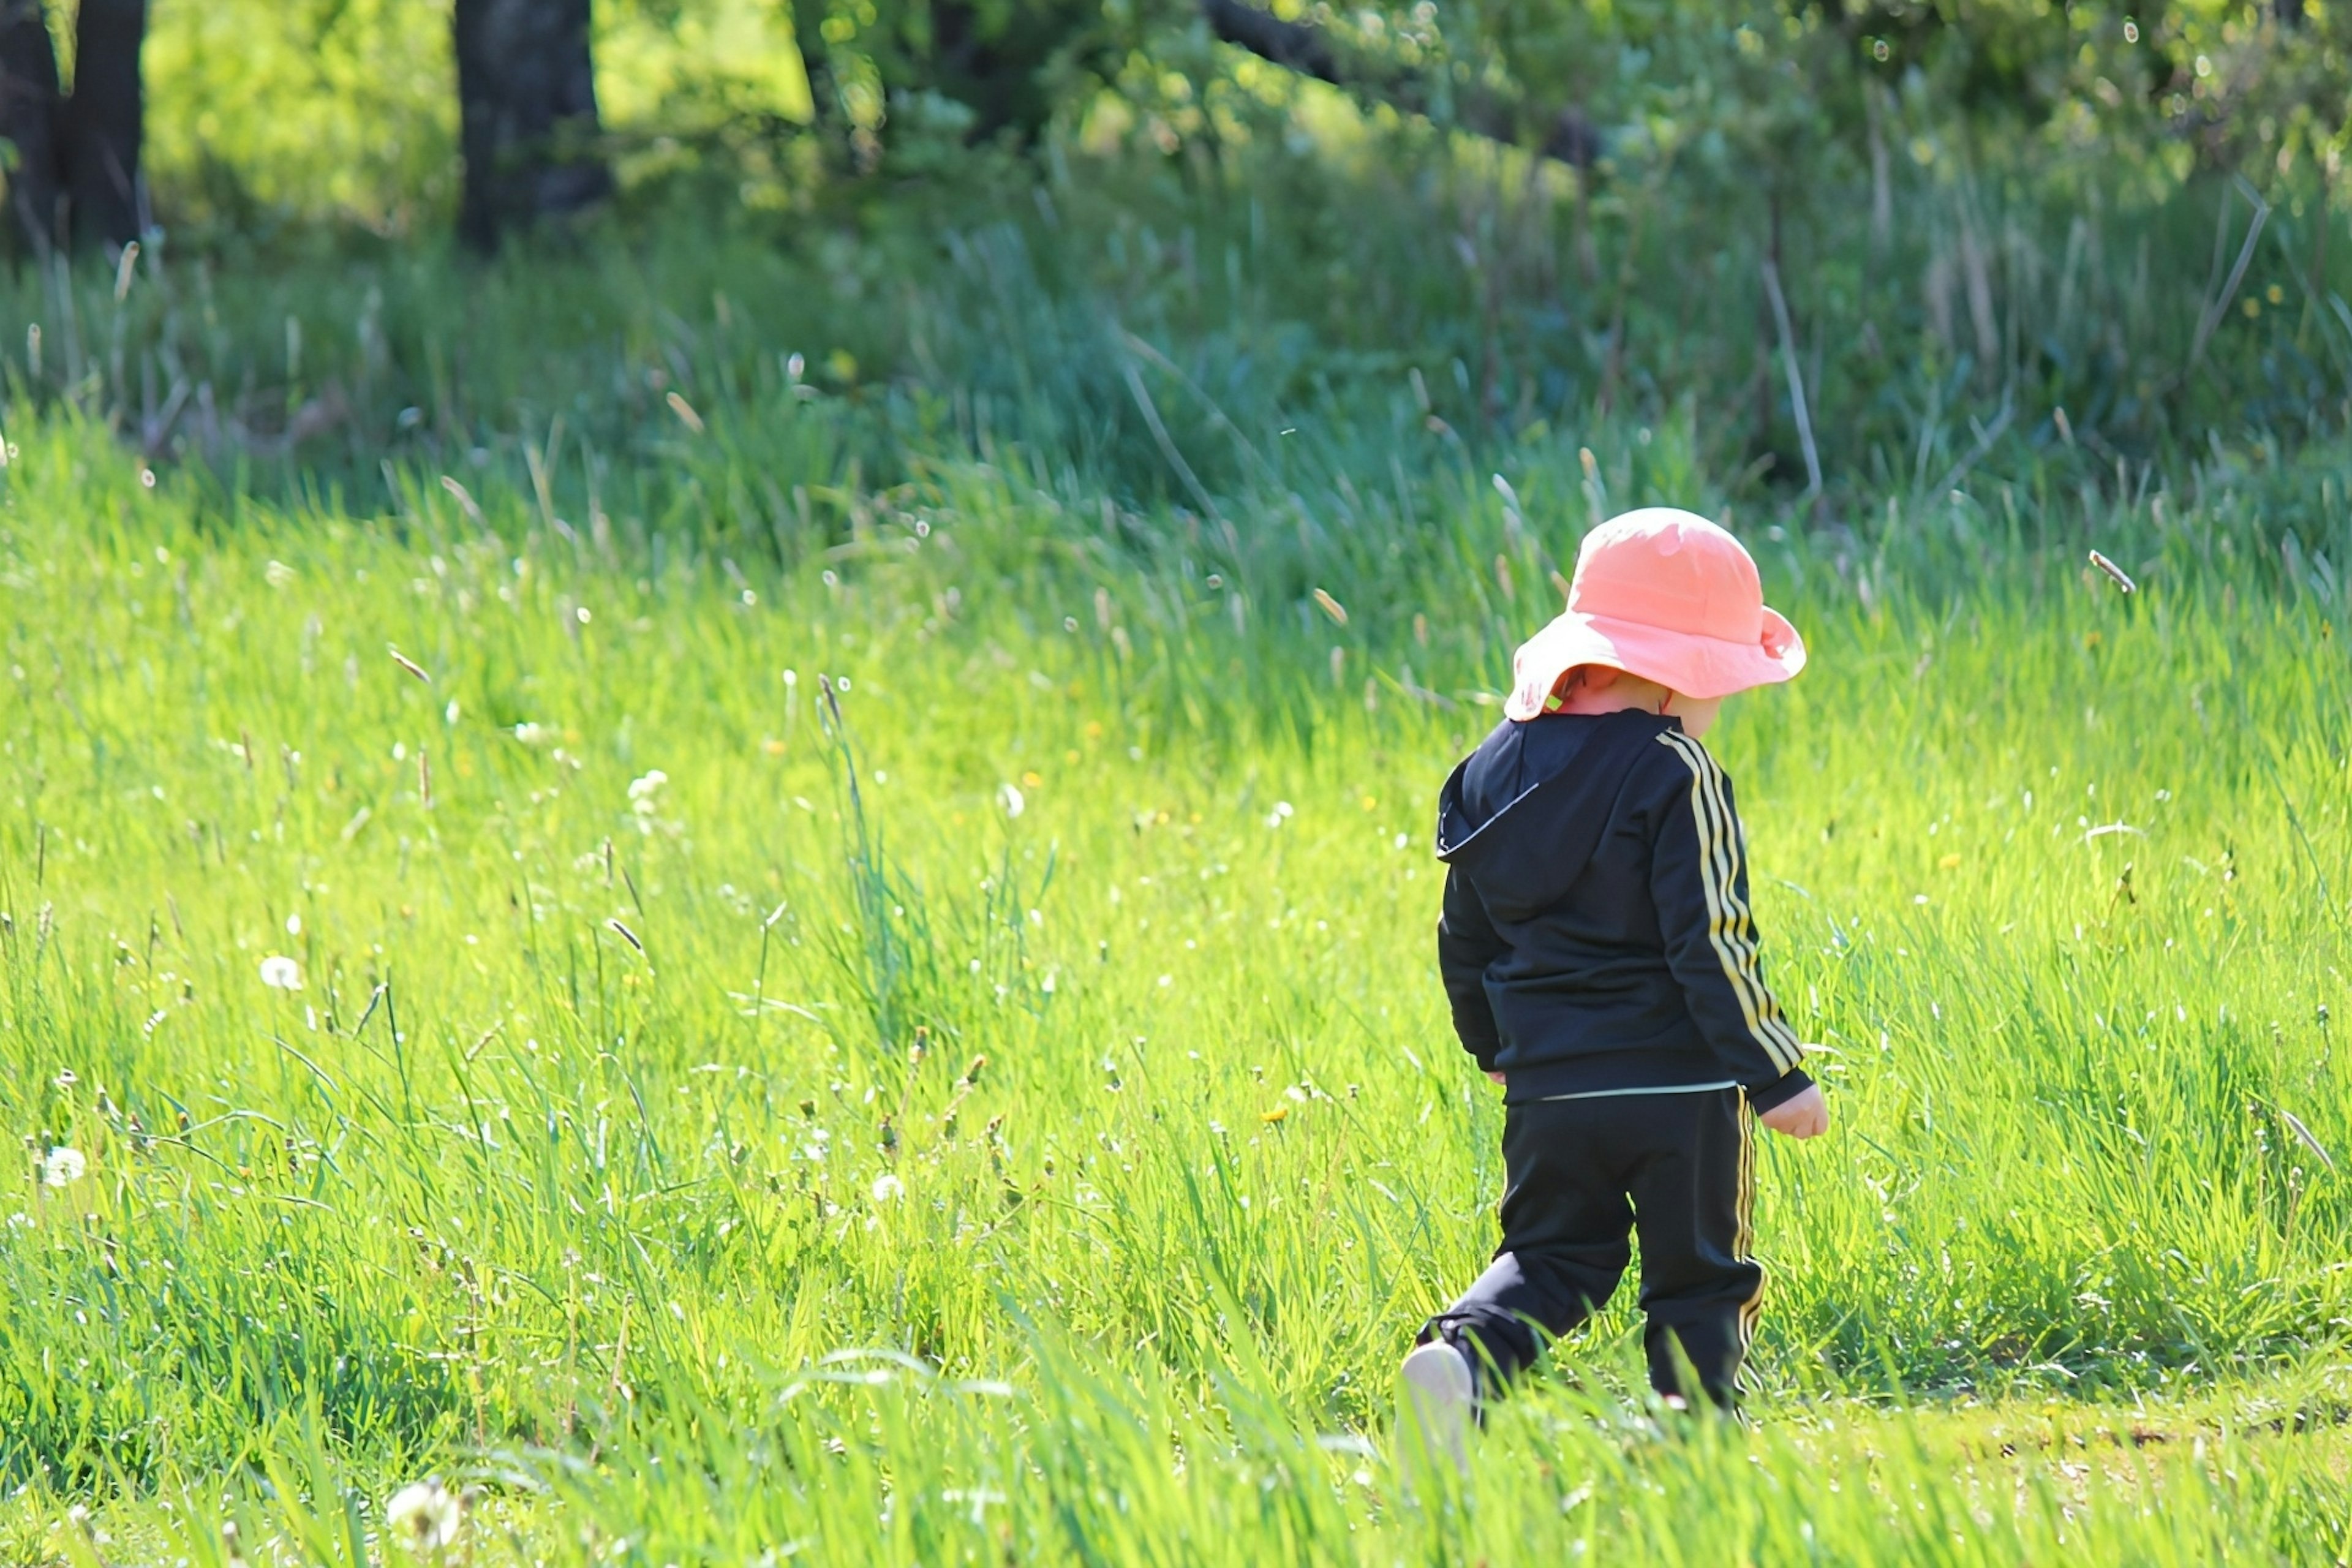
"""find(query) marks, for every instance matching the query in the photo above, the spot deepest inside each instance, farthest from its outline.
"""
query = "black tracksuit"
(1597, 949)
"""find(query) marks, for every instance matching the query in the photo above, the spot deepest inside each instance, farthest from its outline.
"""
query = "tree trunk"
(1302, 48)
(103, 122)
(28, 120)
(526, 115)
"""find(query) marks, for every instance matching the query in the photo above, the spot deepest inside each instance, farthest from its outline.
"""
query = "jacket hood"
(1523, 814)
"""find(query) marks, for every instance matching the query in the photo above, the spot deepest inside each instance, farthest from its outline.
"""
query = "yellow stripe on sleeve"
(1742, 932)
(1726, 930)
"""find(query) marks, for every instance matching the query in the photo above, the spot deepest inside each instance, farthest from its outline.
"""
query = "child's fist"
(1805, 1116)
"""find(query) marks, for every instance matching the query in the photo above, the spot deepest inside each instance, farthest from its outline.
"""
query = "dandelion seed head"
(425, 1516)
(887, 1187)
(1010, 797)
(63, 1167)
(281, 973)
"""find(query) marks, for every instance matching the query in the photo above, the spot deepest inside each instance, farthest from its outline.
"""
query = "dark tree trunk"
(526, 115)
(28, 120)
(103, 121)
(75, 174)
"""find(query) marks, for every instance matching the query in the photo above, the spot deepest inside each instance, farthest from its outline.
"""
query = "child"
(1597, 948)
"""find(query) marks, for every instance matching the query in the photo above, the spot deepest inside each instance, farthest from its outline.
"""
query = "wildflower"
(1281, 814)
(1010, 797)
(277, 574)
(281, 973)
(642, 789)
(887, 1187)
(62, 1166)
(424, 1515)
(531, 734)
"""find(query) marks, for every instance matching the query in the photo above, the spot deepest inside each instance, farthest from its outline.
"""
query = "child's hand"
(1496, 1076)
(1806, 1116)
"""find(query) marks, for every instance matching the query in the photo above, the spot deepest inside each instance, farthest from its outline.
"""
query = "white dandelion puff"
(425, 1516)
(62, 1166)
(887, 1187)
(281, 973)
(1010, 797)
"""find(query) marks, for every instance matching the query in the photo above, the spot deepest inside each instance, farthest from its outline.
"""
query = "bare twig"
(1796, 378)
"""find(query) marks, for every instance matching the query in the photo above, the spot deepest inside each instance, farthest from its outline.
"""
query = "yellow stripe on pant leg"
(1744, 1233)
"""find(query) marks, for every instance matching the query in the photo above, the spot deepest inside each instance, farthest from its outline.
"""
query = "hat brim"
(1695, 665)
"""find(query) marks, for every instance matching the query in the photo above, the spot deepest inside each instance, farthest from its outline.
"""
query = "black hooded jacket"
(1596, 935)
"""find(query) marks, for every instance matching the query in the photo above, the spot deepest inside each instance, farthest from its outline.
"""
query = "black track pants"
(1583, 1173)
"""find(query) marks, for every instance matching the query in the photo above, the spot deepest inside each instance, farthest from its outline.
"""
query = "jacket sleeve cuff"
(1780, 1091)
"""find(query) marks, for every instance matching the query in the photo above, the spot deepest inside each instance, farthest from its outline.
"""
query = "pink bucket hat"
(1666, 596)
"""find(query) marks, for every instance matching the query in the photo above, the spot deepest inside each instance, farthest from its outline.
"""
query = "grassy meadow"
(756, 884)
(920, 1045)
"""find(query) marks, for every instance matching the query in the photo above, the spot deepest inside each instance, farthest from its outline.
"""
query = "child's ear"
(1596, 676)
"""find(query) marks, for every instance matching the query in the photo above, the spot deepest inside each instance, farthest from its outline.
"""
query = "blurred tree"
(526, 115)
(74, 173)
(976, 70)
(1559, 130)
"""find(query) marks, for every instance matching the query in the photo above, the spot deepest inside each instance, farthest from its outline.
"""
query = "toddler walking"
(1601, 964)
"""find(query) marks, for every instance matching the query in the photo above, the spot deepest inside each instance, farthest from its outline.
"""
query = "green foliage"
(673, 1060)
(863, 972)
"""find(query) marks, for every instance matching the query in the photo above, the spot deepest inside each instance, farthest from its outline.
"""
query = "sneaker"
(1433, 1412)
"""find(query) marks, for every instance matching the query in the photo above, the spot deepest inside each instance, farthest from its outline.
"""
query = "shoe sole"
(1433, 1416)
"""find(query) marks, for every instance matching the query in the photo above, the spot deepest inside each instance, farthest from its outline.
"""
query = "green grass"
(629, 1149)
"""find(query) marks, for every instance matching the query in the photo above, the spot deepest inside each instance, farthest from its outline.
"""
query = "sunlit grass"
(1015, 1112)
